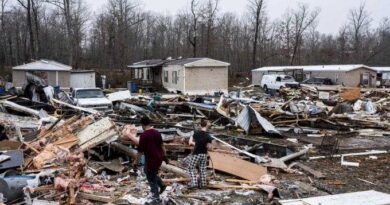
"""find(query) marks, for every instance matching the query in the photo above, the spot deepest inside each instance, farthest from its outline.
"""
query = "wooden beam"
(236, 166)
(224, 186)
(93, 197)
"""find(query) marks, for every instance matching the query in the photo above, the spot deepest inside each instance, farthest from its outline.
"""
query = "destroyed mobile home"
(304, 146)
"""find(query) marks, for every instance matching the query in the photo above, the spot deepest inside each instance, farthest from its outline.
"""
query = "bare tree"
(72, 11)
(302, 19)
(2, 32)
(209, 14)
(27, 5)
(193, 32)
(342, 42)
(359, 23)
(256, 11)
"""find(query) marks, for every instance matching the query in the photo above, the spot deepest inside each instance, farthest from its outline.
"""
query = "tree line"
(123, 33)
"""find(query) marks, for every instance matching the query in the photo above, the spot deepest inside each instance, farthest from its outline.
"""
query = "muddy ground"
(372, 174)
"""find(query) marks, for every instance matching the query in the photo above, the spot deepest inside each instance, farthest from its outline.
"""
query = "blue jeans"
(154, 181)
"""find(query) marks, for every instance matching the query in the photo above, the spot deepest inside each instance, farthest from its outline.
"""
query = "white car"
(276, 82)
(92, 98)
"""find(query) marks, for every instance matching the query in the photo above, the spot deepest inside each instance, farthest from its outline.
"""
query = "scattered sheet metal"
(16, 159)
(87, 110)
(119, 96)
(245, 120)
(134, 108)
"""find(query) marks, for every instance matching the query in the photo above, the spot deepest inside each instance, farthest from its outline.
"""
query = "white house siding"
(206, 80)
(83, 80)
(62, 79)
(170, 86)
(19, 78)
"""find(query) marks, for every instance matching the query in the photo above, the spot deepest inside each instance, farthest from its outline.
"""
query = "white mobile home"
(195, 76)
(54, 73)
(348, 75)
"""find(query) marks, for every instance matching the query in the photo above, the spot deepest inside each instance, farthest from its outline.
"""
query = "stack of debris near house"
(303, 146)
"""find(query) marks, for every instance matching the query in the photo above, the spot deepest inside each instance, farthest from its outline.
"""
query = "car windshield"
(93, 93)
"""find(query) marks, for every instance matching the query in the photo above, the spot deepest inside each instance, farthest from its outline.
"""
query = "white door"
(278, 82)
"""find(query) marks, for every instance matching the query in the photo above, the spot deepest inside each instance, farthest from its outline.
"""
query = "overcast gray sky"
(333, 13)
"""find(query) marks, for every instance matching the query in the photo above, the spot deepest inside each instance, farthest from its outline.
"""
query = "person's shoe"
(162, 188)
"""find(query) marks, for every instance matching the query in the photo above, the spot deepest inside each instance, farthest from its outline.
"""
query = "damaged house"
(383, 76)
(192, 76)
(53, 74)
(347, 75)
(147, 73)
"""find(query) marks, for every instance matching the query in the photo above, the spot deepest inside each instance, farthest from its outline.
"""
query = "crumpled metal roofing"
(244, 121)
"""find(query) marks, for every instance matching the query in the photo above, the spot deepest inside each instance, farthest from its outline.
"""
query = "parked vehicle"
(92, 98)
(318, 81)
(276, 82)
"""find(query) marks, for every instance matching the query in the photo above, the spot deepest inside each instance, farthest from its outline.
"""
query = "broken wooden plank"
(316, 174)
(225, 186)
(176, 180)
(97, 133)
(93, 197)
(239, 181)
(236, 166)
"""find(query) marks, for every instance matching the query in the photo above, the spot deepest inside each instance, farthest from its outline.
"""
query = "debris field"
(294, 147)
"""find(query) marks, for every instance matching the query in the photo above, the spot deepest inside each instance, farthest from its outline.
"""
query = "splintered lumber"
(92, 197)
(225, 186)
(239, 181)
(97, 133)
(236, 166)
(67, 142)
(181, 179)
(166, 167)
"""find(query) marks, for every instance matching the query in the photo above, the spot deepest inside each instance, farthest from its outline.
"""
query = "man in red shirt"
(151, 145)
